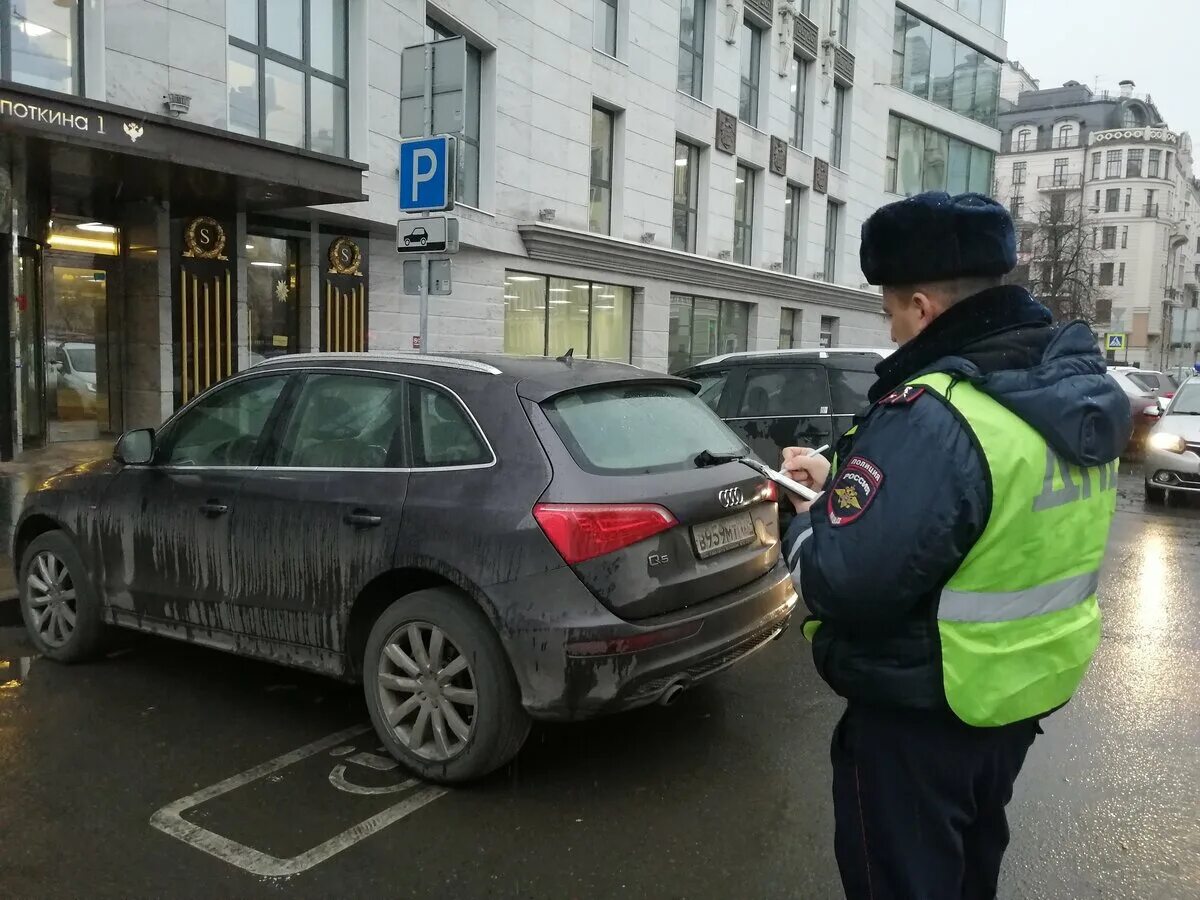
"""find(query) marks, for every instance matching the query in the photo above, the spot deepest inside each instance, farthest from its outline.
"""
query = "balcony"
(1063, 181)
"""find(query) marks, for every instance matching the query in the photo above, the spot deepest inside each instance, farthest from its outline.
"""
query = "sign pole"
(425, 256)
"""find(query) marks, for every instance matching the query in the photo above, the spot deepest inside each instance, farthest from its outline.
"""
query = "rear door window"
(638, 428)
(344, 422)
(784, 391)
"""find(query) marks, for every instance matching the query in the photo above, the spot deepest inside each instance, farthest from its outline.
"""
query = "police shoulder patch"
(853, 490)
(903, 396)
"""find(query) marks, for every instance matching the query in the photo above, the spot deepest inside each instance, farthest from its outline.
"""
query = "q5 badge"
(853, 490)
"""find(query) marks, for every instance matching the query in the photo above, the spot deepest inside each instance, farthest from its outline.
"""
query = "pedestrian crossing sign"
(1115, 341)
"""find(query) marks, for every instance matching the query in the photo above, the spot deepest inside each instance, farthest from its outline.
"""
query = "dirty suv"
(480, 541)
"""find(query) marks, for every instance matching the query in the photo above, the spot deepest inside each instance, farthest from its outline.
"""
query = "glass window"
(611, 322)
(792, 206)
(686, 196)
(743, 215)
(837, 139)
(937, 156)
(840, 20)
(1058, 208)
(733, 327)
(273, 313)
(700, 328)
(1060, 171)
(224, 428)
(1021, 140)
(600, 210)
(287, 82)
(833, 225)
(958, 173)
(1113, 164)
(790, 391)
(344, 422)
(567, 317)
(1112, 200)
(790, 328)
(549, 316)
(1133, 164)
(1121, 275)
(1018, 173)
(604, 26)
(926, 159)
(987, 90)
(1096, 165)
(892, 156)
(1066, 136)
(691, 47)
(941, 69)
(829, 331)
(1125, 238)
(981, 170)
(972, 9)
(638, 428)
(42, 38)
(992, 16)
(966, 70)
(1106, 274)
(712, 388)
(799, 88)
(918, 46)
(1014, 206)
(1109, 239)
(1155, 160)
(899, 39)
(442, 431)
(911, 157)
(524, 314)
(751, 69)
(848, 388)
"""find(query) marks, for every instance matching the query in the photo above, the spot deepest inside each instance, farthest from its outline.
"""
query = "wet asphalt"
(725, 794)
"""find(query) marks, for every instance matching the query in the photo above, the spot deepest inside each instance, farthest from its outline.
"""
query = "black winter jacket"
(873, 580)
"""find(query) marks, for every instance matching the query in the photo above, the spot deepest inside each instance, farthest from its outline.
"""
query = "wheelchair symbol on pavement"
(367, 760)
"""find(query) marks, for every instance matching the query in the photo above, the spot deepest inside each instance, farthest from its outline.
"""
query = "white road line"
(169, 819)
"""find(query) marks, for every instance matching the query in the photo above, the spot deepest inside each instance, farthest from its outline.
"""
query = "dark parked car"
(480, 540)
(787, 398)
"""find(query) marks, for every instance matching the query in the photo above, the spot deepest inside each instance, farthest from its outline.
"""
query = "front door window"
(224, 428)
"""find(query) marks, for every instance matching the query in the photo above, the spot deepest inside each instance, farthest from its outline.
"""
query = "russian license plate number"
(725, 534)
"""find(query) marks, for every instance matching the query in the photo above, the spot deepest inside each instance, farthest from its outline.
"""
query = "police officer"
(950, 568)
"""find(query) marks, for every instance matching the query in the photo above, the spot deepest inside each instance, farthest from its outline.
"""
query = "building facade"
(1104, 171)
(193, 185)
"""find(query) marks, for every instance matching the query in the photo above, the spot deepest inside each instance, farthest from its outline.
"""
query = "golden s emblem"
(345, 257)
(204, 238)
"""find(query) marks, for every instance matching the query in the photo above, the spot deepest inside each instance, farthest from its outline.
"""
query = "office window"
(286, 69)
(789, 328)
(792, 206)
(1015, 206)
(1121, 275)
(829, 331)
(833, 227)
(1022, 140)
(41, 41)
(743, 215)
(1096, 165)
(685, 202)
(935, 66)
(1109, 241)
(1125, 239)
(546, 316)
(1106, 274)
(691, 46)
(839, 20)
(468, 183)
(1018, 173)
(1113, 164)
(799, 88)
(700, 328)
(604, 26)
(1133, 164)
(920, 158)
(1112, 200)
(600, 209)
(837, 140)
(1155, 162)
(751, 70)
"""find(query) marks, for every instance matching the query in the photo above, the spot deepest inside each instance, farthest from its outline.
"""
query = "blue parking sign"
(427, 167)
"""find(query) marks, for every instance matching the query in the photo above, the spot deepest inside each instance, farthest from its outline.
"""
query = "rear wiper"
(708, 458)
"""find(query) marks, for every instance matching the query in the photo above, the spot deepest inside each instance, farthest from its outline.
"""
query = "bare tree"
(1061, 260)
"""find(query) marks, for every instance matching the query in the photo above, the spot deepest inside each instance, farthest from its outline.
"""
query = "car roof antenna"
(568, 357)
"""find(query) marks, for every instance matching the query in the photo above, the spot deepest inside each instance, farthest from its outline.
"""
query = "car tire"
(61, 609)
(1155, 496)
(468, 698)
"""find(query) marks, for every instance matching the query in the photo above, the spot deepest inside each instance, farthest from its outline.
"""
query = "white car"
(72, 378)
(1172, 461)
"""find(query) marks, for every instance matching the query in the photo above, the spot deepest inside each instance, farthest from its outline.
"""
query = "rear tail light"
(583, 531)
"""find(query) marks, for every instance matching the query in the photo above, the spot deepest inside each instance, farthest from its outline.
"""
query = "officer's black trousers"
(919, 802)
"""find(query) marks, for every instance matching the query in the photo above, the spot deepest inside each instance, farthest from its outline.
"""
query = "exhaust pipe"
(671, 694)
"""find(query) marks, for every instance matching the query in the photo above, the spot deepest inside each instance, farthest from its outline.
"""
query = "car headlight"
(1163, 440)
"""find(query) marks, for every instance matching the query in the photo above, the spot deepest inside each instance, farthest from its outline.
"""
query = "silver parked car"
(1172, 461)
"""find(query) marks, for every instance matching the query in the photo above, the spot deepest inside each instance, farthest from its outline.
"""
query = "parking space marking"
(169, 819)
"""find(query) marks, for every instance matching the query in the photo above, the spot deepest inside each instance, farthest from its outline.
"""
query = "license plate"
(729, 533)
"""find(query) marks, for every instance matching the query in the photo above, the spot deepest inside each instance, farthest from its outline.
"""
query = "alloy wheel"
(51, 599)
(427, 691)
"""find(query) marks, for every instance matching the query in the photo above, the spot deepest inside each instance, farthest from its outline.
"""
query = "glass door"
(272, 296)
(77, 363)
(27, 309)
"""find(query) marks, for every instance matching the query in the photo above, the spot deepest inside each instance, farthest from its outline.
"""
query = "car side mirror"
(135, 448)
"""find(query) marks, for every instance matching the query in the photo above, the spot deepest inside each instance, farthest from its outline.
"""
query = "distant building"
(1015, 80)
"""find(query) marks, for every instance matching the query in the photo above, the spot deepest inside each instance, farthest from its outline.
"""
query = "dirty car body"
(283, 511)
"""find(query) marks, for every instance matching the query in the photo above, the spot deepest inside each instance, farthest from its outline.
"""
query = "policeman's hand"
(810, 471)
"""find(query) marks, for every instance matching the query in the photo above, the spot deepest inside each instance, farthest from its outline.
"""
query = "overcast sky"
(1153, 42)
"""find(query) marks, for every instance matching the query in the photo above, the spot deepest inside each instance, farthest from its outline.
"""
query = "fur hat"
(936, 237)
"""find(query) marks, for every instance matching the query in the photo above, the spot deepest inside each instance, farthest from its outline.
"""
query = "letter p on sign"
(427, 167)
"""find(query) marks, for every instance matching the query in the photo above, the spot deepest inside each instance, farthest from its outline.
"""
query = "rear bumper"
(557, 684)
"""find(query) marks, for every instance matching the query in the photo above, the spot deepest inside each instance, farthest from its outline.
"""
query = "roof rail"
(404, 356)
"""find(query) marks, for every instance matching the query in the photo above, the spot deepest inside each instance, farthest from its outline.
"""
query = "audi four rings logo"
(731, 497)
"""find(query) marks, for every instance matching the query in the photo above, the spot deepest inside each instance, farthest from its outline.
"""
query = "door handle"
(213, 508)
(363, 520)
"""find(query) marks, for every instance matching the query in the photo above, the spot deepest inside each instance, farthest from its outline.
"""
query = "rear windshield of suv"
(1151, 381)
(638, 428)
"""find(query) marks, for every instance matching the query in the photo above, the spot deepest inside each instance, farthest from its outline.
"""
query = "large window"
(790, 321)
(833, 227)
(691, 47)
(926, 160)
(546, 316)
(839, 20)
(743, 215)
(686, 196)
(799, 89)
(1112, 200)
(1018, 173)
(1133, 164)
(837, 139)
(751, 70)
(1113, 164)
(1109, 240)
(1155, 161)
(700, 328)
(41, 43)
(287, 72)
(1106, 274)
(932, 64)
(468, 182)
(604, 26)
(988, 13)
(792, 207)
(600, 209)
(1096, 157)
(272, 296)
